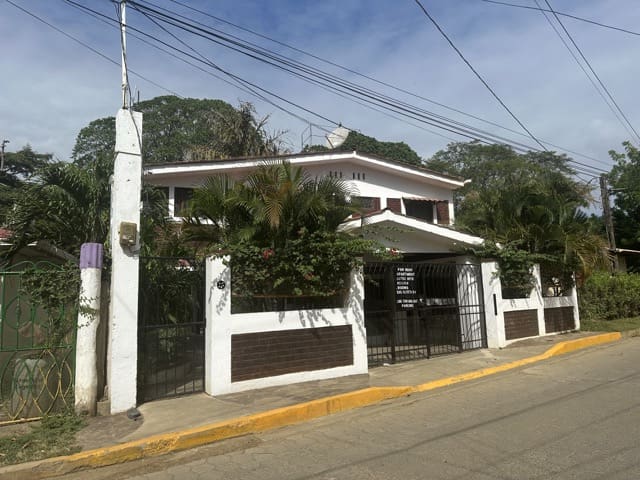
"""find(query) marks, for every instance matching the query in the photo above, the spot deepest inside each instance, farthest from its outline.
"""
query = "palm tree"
(67, 205)
(269, 207)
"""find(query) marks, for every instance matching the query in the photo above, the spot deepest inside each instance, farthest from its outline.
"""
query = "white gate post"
(493, 308)
(86, 376)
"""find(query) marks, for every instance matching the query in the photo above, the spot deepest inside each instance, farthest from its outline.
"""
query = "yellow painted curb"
(572, 345)
(280, 417)
(559, 349)
(193, 437)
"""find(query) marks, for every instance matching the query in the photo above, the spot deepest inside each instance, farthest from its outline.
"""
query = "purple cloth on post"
(91, 255)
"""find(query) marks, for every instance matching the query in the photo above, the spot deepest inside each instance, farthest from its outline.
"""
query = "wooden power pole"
(608, 219)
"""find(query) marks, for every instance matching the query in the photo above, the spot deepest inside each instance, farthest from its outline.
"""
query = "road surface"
(572, 417)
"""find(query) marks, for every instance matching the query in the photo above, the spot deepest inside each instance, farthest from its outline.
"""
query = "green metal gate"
(37, 339)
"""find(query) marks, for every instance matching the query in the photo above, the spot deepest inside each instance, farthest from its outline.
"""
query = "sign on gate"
(406, 291)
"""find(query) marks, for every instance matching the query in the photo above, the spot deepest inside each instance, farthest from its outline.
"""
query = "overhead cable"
(593, 22)
(592, 70)
(460, 54)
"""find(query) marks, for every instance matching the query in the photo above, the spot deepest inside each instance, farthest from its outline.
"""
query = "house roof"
(302, 159)
(414, 224)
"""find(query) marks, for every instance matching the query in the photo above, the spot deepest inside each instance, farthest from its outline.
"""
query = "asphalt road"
(573, 417)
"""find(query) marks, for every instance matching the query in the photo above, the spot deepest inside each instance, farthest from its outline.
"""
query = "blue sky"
(51, 87)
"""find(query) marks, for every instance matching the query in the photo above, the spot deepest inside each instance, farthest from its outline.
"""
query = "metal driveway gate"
(38, 319)
(171, 323)
(417, 310)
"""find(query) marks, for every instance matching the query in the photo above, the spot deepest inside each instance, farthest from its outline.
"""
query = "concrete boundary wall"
(516, 310)
(223, 326)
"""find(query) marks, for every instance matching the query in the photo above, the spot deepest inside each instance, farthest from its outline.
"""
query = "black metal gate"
(171, 327)
(417, 310)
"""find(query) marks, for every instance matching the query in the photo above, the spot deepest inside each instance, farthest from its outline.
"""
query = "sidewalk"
(184, 422)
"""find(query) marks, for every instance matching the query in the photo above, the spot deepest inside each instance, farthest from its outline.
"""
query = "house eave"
(414, 224)
(213, 167)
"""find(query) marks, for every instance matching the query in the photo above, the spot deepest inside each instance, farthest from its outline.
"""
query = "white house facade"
(435, 299)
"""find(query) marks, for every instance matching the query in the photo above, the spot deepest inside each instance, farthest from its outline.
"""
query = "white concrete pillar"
(86, 378)
(574, 302)
(355, 307)
(493, 311)
(125, 244)
(536, 299)
(217, 347)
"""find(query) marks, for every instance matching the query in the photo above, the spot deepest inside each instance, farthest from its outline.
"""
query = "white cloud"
(51, 87)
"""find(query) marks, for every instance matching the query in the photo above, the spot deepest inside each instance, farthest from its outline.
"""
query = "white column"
(493, 312)
(217, 348)
(537, 300)
(574, 303)
(86, 376)
(355, 306)
(125, 212)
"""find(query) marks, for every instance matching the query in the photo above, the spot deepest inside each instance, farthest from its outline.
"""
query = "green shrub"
(608, 297)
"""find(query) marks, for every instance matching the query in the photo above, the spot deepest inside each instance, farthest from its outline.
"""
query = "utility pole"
(125, 247)
(123, 50)
(608, 219)
(4, 142)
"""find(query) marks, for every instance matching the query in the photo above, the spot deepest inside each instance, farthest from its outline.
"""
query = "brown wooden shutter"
(394, 204)
(442, 211)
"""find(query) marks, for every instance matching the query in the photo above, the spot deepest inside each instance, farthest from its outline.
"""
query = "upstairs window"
(182, 201)
(421, 209)
(367, 204)
(432, 211)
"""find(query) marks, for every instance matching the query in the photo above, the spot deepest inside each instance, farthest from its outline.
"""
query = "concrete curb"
(280, 417)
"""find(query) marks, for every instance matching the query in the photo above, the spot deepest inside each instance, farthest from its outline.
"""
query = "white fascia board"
(432, 177)
(413, 223)
(225, 165)
(222, 166)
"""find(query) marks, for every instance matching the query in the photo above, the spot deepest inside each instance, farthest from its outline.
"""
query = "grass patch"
(54, 435)
(618, 325)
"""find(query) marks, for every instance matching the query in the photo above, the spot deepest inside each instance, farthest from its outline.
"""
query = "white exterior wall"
(374, 182)
(496, 306)
(221, 325)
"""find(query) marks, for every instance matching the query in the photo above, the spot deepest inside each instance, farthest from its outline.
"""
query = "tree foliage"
(185, 129)
(398, 151)
(527, 201)
(20, 168)
(269, 207)
(280, 227)
(625, 181)
(67, 205)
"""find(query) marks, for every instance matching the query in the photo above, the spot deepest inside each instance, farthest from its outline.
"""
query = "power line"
(591, 69)
(379, 82)
(593, 22)
(96, 13)
(317, 77)
(424, 10)
(383, 100)
(80, 42)
(242, 84)
(201, 32)
(584, 70)
(112, 61)
(315, 125)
